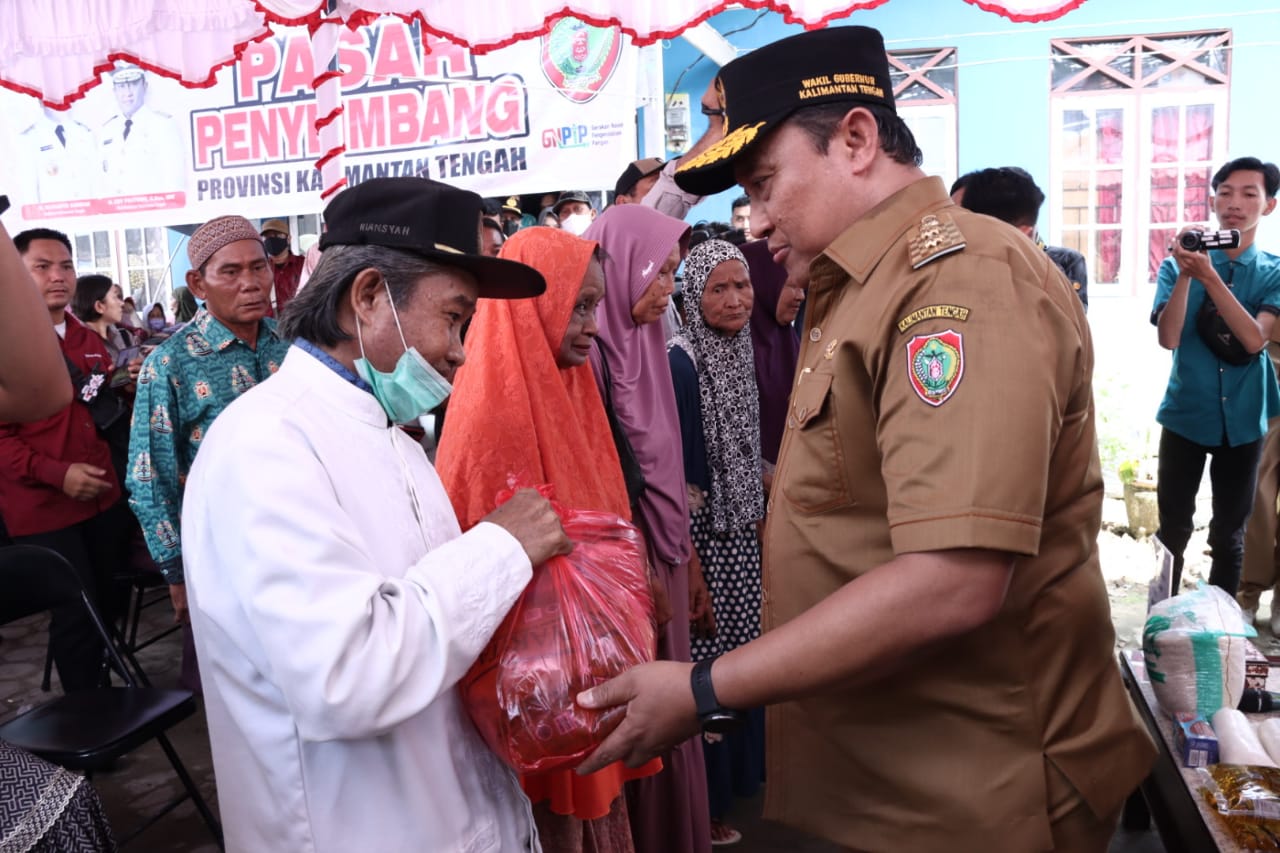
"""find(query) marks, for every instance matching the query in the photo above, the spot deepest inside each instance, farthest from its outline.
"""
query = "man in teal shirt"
(1215, 406)
(226, 349)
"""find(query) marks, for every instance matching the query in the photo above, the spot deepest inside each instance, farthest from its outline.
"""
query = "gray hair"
(313, 314)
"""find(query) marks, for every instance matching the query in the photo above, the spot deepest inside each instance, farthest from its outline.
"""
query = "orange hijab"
(517, 418)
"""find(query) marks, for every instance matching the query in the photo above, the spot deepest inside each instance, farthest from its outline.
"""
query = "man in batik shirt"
(227, 348)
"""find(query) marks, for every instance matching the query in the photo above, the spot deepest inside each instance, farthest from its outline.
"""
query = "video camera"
(1202, 241)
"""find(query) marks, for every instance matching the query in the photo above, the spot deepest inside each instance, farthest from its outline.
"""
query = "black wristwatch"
(714, 717)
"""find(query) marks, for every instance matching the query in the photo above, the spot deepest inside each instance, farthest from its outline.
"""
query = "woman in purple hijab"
(775, 341)
(642, 249)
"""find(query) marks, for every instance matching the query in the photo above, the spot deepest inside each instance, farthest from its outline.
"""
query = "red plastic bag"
(583, 619)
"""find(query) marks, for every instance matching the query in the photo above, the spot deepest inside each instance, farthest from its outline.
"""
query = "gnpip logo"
(570, 136)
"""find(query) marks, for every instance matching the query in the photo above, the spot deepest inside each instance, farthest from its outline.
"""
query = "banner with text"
(543, 115)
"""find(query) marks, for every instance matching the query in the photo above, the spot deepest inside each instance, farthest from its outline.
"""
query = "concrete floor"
(143, 781)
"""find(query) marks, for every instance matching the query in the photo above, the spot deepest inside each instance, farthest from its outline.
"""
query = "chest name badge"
(935, 365)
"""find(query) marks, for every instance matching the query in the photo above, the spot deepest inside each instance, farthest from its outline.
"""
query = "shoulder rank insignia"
(937, 235)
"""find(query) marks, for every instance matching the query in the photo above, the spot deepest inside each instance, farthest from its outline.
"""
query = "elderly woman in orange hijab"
(525, 406)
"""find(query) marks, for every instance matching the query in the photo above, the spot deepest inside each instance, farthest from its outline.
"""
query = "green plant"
(1129, 470)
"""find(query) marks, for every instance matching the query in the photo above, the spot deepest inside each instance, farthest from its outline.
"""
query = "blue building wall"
(1004, 74)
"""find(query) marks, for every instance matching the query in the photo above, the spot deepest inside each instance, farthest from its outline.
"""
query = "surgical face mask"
(413, 388)
(510, 227)
(275, 245)
(576, 224)
(156, 323)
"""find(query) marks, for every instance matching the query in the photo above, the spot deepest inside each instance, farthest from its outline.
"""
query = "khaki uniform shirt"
(150, 160)
(942, 407)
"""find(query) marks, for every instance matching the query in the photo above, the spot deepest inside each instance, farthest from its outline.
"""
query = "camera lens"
(1191, 241)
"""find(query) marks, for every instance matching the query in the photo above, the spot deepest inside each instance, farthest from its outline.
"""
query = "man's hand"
(528, 517)
(178, 596)
(660, 713)
(1195, 264)
(134, 367)
(84, 482)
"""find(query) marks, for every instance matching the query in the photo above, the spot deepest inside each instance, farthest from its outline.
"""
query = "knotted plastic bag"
(583, 619)
(1194, 647)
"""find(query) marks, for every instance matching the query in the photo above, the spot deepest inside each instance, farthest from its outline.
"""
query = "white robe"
(335, 605)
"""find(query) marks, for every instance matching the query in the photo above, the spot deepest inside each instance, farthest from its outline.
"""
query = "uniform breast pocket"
(813, 471)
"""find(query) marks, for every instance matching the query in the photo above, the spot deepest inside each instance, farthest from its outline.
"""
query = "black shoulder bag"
(108, 410)
(1217, 335)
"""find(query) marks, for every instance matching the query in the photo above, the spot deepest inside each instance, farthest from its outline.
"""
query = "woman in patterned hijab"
(713, 370)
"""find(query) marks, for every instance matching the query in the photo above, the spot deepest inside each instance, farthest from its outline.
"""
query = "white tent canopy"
(56, 49)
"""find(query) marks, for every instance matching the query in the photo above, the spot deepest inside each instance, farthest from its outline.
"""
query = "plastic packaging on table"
(583, 619)
(1247, 800)
(1194, 646)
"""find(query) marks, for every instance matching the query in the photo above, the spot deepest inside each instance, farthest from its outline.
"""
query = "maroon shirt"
(34, 457)
(287, 276)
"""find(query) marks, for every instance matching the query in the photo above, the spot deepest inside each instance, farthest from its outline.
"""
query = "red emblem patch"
(935, 365)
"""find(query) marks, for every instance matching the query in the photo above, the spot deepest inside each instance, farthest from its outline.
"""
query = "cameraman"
(1222, 390)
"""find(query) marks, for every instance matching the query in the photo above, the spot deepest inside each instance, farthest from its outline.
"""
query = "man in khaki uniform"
(940, 652)
(1261, 568)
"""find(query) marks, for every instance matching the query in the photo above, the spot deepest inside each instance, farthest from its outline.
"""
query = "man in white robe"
(334, 600)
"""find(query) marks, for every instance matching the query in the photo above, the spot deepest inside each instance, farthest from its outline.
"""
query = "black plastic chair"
(146, 589)
(89, 729)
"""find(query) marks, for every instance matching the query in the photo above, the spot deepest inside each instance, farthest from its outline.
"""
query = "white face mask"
(576, 224)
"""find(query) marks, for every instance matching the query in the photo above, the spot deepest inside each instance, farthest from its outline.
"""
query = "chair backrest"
(35, 579)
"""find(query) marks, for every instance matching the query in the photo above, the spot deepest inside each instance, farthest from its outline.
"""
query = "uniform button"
(802, 412)
(1224, 399)
(791, 421)
(815, 334)
(769, 508)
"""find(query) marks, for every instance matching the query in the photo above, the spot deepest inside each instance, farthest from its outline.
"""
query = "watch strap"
(704, 694)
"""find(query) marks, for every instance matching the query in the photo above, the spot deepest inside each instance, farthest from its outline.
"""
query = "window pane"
(157, 247)
(917, 92)
(1124, 63)
(1157, 249)
(1110, 190)
(1064, 68)
(943, 75)
(1199, 133)
(1075, 199)
(133, 247)
(1098, 82)
(1164, 195)
(1166, 133)
(1107, 262)
(1110, 136)
(1075, 137)
(1078, 240)
(1195, 204)
(101, 249)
